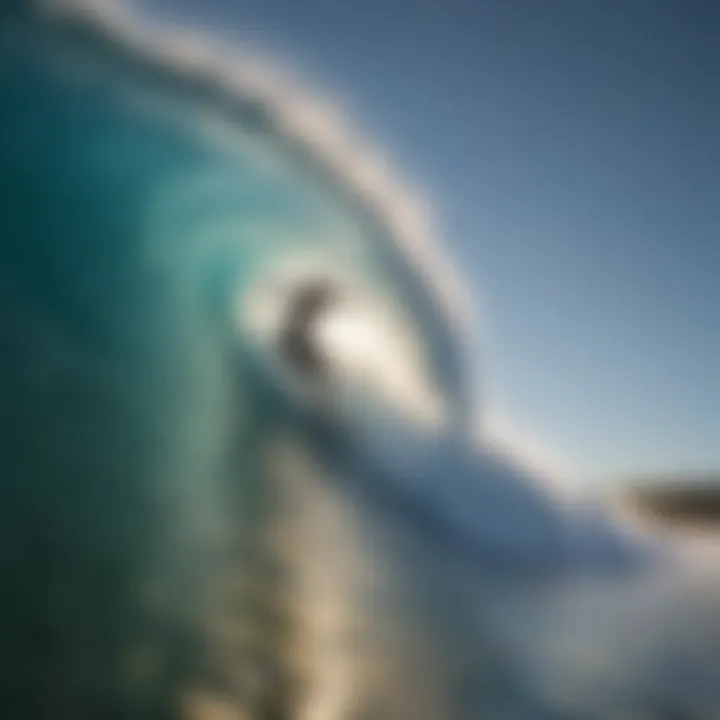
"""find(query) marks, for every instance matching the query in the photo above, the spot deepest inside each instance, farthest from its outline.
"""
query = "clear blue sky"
(572, 153)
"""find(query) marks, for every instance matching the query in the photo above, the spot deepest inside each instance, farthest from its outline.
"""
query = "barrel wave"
(239, 470)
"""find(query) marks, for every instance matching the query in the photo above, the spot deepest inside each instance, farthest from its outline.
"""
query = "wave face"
(161, 203)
